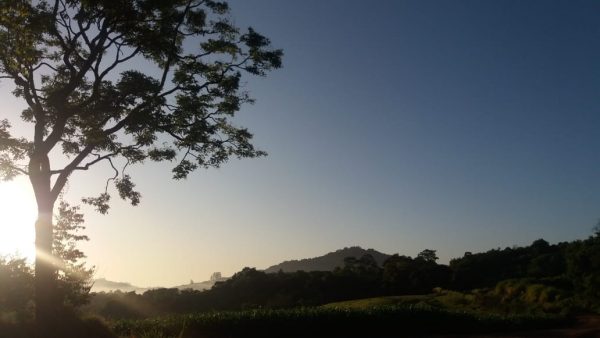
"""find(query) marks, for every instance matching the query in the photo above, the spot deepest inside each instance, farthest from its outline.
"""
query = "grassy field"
(448, 301)
(512, 298)
(366, 303)
(346, 319)
(436, 314)
(440, 313)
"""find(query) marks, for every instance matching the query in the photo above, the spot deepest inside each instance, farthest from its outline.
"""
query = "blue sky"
(395, 125)
(474, 118)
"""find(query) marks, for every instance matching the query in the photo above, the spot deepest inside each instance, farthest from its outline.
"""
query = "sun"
(18, 213)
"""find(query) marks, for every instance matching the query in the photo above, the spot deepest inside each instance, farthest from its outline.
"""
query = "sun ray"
(17, 218)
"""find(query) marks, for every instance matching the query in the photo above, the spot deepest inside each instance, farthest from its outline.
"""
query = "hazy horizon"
(395, 125)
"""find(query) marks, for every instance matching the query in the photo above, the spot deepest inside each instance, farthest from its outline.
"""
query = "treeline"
(572, 267)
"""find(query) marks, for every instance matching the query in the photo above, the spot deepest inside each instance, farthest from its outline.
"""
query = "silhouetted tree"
(428, 255)
(16, 287)
(75, 279)
(596, 229)
(396, 273)
(402, 274)
(583, 267)
(63, 57)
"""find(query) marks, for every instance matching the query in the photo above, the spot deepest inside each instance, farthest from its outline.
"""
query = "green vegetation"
(327, 322)
(536, 286)
(524, 297)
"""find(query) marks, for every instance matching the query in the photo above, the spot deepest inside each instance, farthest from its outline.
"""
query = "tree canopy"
(79, 66)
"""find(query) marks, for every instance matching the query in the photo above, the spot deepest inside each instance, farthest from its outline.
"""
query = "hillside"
(104, 285)
(327, 262)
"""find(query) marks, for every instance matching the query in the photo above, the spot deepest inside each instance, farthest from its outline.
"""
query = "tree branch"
(16, 168)
(87, 166)
(63, 177)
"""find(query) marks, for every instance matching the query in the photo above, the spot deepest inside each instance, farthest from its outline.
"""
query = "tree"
(596, 228)
(428, 255)
(78, 66)
(75, 279)
(16, 287)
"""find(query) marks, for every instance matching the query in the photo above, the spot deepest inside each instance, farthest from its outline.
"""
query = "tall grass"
(382, 321)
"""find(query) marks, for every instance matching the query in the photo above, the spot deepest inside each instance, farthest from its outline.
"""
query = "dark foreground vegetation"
(519, 288)
(541, 278)
(398, 320)
(328, 322)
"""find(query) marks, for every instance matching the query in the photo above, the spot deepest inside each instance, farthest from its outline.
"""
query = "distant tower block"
(215, 277)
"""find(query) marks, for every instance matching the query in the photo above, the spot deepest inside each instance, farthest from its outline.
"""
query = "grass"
(366, 303)
(440, 313)
(444, 300)
(512, 297)
(329, 321)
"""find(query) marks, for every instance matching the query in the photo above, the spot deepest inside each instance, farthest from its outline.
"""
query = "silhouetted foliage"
(485, 269)
(74, 278)
(251, 288)
(404, 275)
(16, 288)
(583, 268)
(544, 276)
(428, 255)
(393, 321)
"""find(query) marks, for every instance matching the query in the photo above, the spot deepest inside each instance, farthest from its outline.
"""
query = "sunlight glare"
(17, 216)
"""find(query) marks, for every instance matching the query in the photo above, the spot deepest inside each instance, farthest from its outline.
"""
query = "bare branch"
(111, 178)
(118, 61)
(41, 64)
(86, 166)
(83, 29)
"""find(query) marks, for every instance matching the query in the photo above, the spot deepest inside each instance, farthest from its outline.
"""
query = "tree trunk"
(45, 285)
(45, 270)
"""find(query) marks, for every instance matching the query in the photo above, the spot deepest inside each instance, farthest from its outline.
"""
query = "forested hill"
(327, 262)
(104, 285)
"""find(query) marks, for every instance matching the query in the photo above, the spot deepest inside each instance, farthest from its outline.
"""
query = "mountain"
(327, 262)
(104, 285)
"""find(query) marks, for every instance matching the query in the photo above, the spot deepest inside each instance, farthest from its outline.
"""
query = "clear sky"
(394, 125)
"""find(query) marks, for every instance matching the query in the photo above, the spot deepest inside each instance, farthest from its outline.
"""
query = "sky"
(394, 125)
